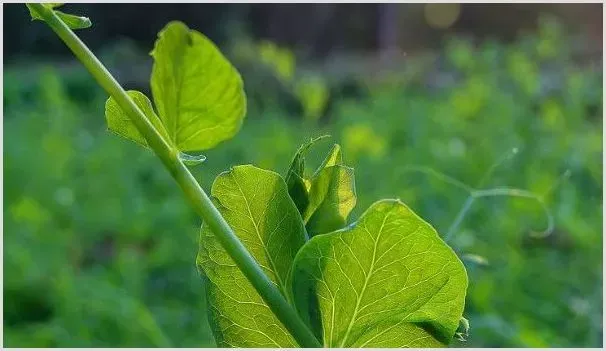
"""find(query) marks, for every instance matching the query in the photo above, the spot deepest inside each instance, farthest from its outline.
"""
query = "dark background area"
(317, 29)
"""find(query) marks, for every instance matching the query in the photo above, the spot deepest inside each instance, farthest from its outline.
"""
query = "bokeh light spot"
(442, 15)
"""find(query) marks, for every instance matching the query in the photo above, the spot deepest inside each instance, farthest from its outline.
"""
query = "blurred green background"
(99, 245)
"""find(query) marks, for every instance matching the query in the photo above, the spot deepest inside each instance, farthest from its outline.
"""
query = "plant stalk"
(460, 217)
(196, 196)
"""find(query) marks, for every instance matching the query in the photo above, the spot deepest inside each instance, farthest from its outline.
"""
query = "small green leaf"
(199, 95)
(326, 199)
(34, 14)
(256, 205)
(295, 176)
(386, 281)
(333, 158)
(119, 122)
(297, 189)
(72, 21)
(332, 195)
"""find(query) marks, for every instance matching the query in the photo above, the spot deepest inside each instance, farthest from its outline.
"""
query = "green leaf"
(326, 199)
(333, 158)
(72, 21)
(256, 205)
(199, 95)
(34, 14)
(119, 122)
(295, 176)
(314, 94)
(386, 281)
(332, 195)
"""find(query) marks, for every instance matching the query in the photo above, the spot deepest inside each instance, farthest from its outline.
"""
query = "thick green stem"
(193, 192)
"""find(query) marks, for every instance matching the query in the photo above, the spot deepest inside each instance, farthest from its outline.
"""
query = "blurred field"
(99, 246)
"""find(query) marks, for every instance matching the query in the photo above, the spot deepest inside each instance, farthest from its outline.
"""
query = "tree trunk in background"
(387, 31)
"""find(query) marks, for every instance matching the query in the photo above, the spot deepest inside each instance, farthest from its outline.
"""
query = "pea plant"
(283, 265)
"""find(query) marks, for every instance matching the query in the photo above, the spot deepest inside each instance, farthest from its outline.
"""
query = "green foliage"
(134, 263)
(313, 93)
(72, 21)
(88, 266)
(197, 92)
(281, 59)
(255, 203)
(327, 197)
(295, 177)
(310, 90)
(420, 305)
(386, 281)
(120, 123)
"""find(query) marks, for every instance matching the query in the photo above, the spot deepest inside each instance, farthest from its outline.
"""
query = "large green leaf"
(256, 205)
(386, 281)
(199, 95)
(119, 122)
(328, 196)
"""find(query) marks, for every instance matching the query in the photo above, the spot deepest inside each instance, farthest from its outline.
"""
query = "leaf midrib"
(179, 89)
(370, 271)
(269, 258)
